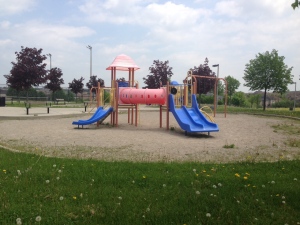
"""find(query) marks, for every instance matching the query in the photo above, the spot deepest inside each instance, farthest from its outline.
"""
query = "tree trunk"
(265, 98)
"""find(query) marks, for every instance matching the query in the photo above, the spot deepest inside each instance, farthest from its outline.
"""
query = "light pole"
(217, 65)
(295, 96)
(90, 48)
(50, 59)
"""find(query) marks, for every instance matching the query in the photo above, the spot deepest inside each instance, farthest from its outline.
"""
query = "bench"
(60, 100)
(28, 106)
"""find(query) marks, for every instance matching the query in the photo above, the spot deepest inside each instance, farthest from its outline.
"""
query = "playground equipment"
(190, 119)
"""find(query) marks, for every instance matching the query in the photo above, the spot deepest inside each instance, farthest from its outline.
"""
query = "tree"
(76, 86)
(160, 74)
(238, 99)
(204, 85)
(254, 99)
(55, 80)
(232, 85)
(295, 4)
(28, 71)
(93, 82)
(267, 72)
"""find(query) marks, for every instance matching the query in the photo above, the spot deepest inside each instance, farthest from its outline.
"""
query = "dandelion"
(208, 215)
(272, 182)
(237, 175)
(197, 174)
(4, 171)
(54, 165)
(38, 219)
(144, 177)
(203, 171)
(47, 181)
(245, 178)
(247, 174)
(214, 186)
(61, 198)
(197, 192)
(74, 197)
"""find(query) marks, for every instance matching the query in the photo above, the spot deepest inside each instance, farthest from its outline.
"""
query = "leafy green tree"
(204, 85)
(232, 85)
(76, 86)
(28, 71)
(55, 80)
(238, 99)
(160, 73)
(254, 99)
(267, 72)
(295, 4)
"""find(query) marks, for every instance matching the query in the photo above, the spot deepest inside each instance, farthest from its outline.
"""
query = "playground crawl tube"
(142, 96)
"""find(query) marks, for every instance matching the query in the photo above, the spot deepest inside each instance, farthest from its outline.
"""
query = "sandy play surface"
(253, 137)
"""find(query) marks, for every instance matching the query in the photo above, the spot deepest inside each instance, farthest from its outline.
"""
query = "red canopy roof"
(123, 62)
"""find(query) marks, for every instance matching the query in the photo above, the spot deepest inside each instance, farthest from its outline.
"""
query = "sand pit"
(253, 138)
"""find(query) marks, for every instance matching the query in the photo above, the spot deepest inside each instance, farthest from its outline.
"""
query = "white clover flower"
(295, 179)
(272, 182)
(197, 192)
(219, 184)
(164, 185)
(59, 171)
(238, 201)
(255, 219)
(148, 210)
(214, 186)
(47, 181)
(38, 219)
(61, 198)
(283, 202)
(54, 165)
(120, 197)
(283, 197)
(133, 181)
(19, 172)
(212, 195)
(194, 170)
(263, 186)
(208, 215)
(19, 221)
(57, 178)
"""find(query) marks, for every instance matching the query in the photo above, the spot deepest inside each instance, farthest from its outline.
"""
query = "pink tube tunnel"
(142, 96)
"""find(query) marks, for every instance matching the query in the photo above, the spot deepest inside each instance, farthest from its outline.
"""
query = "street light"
(50, 59)
(217, 65)
(90, 48)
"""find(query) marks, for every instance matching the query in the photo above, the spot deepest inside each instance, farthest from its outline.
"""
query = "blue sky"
(228, 33)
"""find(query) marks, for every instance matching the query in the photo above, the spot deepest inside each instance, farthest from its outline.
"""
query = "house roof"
(123, 62)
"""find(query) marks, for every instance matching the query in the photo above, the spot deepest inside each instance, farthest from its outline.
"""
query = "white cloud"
(228, 8)
(15, 6)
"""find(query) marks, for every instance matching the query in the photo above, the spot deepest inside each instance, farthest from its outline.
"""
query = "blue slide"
(99, 115)
(191, 119)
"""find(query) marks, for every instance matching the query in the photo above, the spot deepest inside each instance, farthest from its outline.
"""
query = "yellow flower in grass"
(74, 197)
(4, 171)
(237, 175)
(144, 177)
(245, 178)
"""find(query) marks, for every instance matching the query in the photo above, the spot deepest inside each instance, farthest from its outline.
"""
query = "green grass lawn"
(69, 191)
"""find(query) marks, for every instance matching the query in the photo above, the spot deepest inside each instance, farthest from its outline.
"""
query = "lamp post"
(217, 65)
(295, 96)
(50, 59)
(90, 48)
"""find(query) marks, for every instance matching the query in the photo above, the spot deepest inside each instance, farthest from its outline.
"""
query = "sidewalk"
(40, 112)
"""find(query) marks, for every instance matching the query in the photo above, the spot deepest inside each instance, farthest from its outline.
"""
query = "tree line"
(267, 71)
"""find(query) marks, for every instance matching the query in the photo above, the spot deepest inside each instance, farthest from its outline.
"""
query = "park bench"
(28, 106)
(60, 100)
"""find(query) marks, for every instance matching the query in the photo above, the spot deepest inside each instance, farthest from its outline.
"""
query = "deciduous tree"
(232, 85)
(76, 86)
(204, 85)
(160, 74)
(267, 72)
(28, 71)
(54, 80)
(295, 4)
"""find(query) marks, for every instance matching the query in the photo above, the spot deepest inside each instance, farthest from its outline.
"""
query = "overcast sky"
(185, 32)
